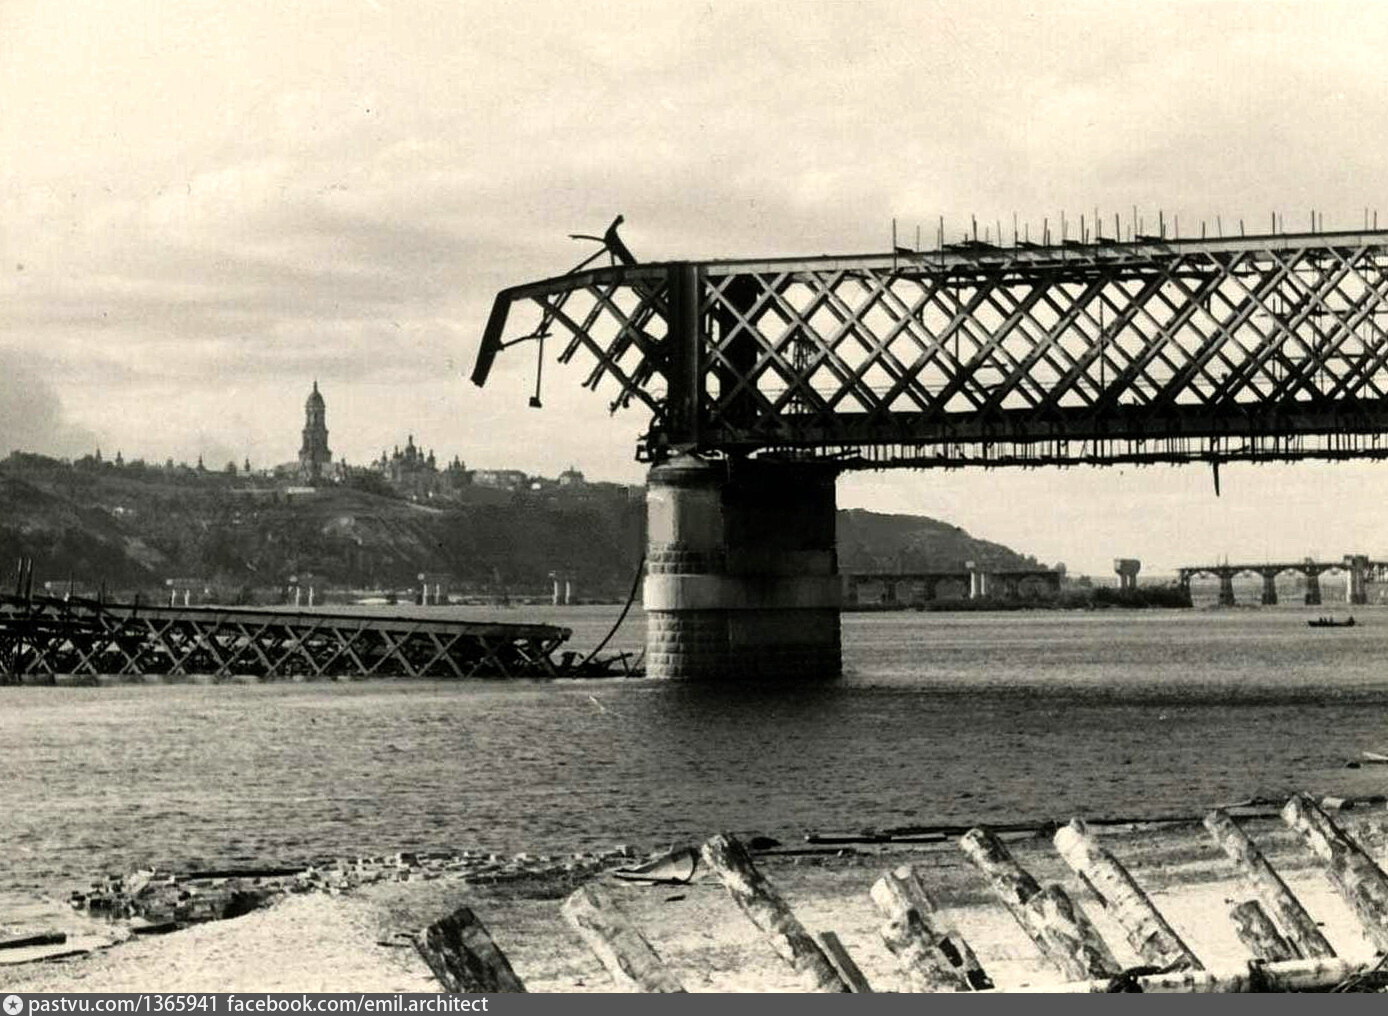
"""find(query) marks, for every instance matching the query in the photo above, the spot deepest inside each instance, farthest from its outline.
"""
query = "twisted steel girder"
(1173, 350)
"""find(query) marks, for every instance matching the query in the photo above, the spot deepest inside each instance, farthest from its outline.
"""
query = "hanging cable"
(631, 598)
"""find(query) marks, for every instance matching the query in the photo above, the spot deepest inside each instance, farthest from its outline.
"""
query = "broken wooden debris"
(1282, 906)
(1257, 932)
(1146, 929)
(1353, 872)
(617, 943)
(675, 867)
(461, 953)
(1253, 807)
(932, 955)
(844, 963)
(1320, 975)
(163, 897)
(57, 951)
(41, 938)
(1060, 929)
(765, 908)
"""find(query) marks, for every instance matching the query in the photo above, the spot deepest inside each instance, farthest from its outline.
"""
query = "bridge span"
(764, 378)
(1358, 569)
(970, 583)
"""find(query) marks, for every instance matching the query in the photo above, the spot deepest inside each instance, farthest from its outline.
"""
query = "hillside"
(132, 527)
(869, 542)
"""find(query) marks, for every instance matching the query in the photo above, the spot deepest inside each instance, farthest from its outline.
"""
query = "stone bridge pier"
(1226, 587)
(1356, 588)
(979, 581)
(1313, 583)
(741, 570)
(1269, 585)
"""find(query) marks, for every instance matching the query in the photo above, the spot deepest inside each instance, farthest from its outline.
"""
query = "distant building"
(571, 477)
(501, 479)
(314, 456)
(416, 474)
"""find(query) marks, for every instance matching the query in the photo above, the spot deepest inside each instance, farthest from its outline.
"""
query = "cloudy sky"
(207, 205)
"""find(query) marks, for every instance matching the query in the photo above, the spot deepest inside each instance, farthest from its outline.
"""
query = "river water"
(940, 718)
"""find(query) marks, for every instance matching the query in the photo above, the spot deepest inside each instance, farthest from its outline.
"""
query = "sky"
(208, 206)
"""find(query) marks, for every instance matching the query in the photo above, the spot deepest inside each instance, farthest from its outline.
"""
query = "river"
(940, 718)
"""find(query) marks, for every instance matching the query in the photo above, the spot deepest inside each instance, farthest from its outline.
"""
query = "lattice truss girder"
(50, 637)
(1270, 336)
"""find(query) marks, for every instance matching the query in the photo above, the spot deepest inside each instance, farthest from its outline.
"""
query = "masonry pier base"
(1313, 589)
(741, 571)
(1356, 583)
(1226, 589)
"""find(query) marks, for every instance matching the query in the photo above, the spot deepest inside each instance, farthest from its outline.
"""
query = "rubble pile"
(162, 901)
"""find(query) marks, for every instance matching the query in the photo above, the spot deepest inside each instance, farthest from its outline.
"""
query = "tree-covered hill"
(131, 527)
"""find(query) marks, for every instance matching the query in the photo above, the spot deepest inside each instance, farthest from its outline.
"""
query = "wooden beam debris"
(728, 859)
(843, 963)
(1147, 930)
(27, 941)
(1291, 976)
(1257, 932)
(1285, 909)
(621, 947)
(462, 955)
(1353, 872)
(1059, 928)
(933, 956)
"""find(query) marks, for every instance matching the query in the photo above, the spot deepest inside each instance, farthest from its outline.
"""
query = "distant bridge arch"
(1358, 567)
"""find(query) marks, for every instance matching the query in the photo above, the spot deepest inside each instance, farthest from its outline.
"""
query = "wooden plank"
(843, 963)
(1291, 976)
(1147, 930)
(1281, 905)
(462, 955)
(42, 938)
(621, 947)
(1059, 928)
(933, 956)
(1257, 932)
(1353, 872)
(728, 859)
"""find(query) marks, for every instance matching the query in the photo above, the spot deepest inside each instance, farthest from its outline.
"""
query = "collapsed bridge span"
(42, 638)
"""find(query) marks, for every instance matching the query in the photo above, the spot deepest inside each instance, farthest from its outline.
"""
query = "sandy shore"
(357, 941)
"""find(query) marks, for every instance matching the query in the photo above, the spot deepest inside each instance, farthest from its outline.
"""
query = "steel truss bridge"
(44, 637)
(1159, 350)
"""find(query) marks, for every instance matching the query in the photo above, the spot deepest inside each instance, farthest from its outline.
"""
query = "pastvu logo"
(14, 1005)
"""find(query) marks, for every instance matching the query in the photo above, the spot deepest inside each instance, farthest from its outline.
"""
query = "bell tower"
(314, 456)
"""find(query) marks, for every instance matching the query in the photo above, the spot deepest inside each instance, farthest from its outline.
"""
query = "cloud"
(214, 208)
(32, 417)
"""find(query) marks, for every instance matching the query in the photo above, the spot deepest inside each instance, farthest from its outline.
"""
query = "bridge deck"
(44, 636)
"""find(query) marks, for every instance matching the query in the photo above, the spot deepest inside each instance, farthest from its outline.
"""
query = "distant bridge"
(1357, 567)
(912, 588)
(764, 378)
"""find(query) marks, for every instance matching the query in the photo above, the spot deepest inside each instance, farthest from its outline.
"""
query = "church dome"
(314, 399)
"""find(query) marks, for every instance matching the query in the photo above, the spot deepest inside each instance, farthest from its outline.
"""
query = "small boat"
(1330, 622)
(1375, 758)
